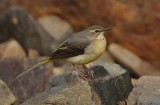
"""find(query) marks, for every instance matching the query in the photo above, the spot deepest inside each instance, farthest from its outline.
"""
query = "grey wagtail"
(79, 49)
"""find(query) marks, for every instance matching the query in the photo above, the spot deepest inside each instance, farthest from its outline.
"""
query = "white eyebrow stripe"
(93, 30)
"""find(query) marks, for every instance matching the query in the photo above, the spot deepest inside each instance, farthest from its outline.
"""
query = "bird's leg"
(89, 73)
(81, 74)
(75, 67)
(84, 75)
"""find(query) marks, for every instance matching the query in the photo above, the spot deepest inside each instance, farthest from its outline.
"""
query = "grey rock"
(55, 26)
(110, 85)
(31, 83)
(18, 24)
(6, 96)
(132, 61)
(66, 90)
(146, 91)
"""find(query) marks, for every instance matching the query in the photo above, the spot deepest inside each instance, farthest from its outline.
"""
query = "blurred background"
(30, 29)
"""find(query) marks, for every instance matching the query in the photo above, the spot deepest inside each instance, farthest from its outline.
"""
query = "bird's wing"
(72, 47)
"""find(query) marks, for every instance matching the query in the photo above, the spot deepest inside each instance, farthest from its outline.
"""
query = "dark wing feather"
(72, 47)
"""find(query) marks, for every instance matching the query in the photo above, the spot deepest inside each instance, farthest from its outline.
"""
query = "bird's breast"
(98, 46)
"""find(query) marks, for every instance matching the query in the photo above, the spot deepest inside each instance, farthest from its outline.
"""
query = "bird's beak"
(107, 29)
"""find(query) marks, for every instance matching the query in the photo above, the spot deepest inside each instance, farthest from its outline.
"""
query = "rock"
(11, 48)
(32, 53)
(64, 92)
(132, 61)
(146, 91)
(58, 28)
(107, 87)
(31, 83)
(26, 30)
(6, 96)
(134, 81)
(59, 70)
(112, 86)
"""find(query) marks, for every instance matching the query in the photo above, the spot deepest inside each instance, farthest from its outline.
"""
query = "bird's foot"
(123, 102)
(88, 72)
(84, 77)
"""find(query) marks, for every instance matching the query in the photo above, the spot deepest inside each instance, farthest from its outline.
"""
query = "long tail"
(33, 67)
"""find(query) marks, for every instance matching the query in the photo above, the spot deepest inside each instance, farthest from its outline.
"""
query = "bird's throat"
(101, 36)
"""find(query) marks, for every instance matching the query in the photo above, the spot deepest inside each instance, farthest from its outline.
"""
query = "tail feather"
(33, 67)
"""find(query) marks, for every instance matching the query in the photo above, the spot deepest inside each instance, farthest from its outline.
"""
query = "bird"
(79, 49)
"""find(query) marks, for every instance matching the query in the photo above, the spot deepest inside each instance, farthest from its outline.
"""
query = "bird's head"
(96, 30)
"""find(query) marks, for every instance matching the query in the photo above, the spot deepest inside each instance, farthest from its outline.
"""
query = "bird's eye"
(96, 31)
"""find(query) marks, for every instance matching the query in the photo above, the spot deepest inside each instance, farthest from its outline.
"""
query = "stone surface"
(32, 53)
(31, 83)
(63, 93)
(146, 91)
(111, 86)
(132, 61)
(60, 70)
(107, 88)
(55, 26)
(134, 81)
(6, 96)
(11, 48)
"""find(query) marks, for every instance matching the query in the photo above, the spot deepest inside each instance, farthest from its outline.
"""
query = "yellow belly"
(92, 52)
